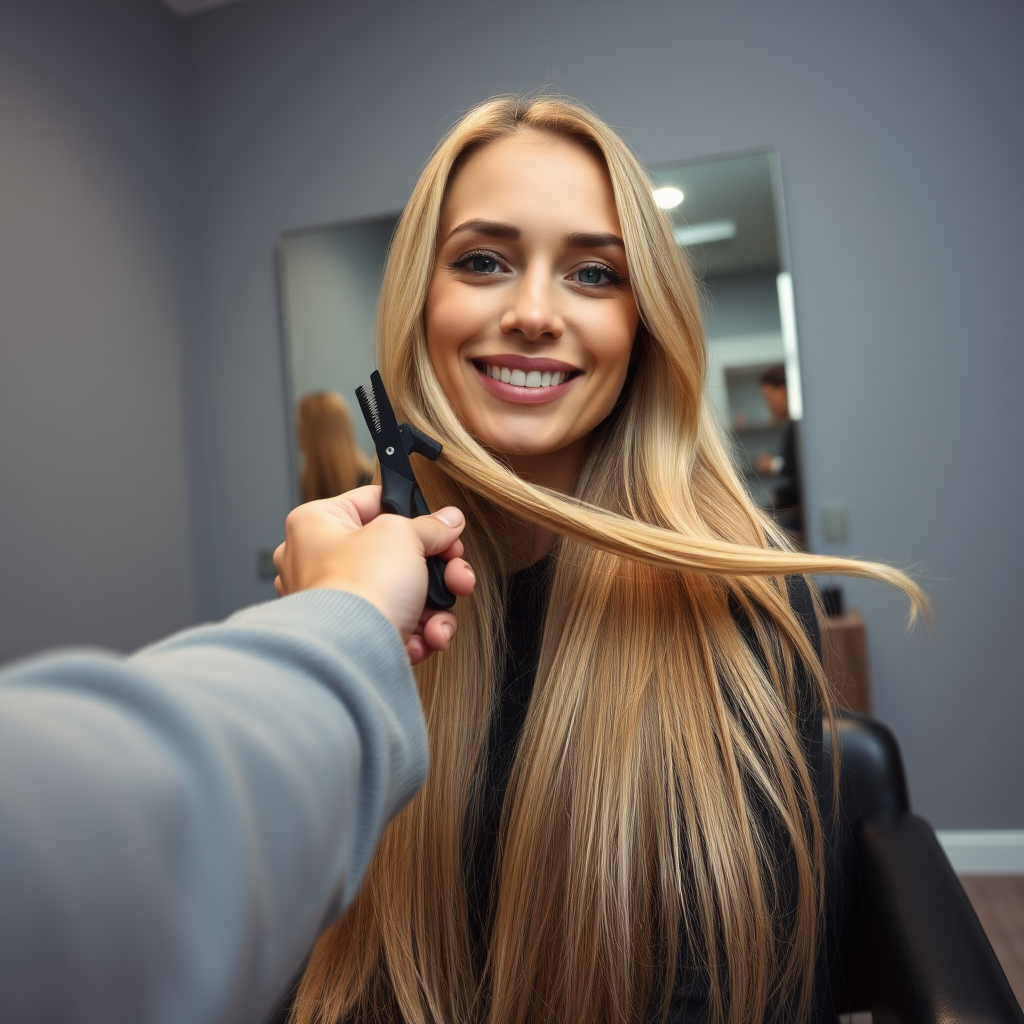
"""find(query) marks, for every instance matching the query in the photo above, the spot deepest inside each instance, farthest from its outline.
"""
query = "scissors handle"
(401, 497)
(439, 597)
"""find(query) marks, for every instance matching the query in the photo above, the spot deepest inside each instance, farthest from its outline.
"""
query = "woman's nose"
(533, 312)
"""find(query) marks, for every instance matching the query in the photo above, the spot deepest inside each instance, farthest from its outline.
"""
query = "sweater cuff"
(324, 611)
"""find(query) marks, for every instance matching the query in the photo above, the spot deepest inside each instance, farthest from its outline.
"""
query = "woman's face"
(530, 317)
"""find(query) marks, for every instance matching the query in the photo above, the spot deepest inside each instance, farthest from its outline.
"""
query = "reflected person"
(332, 461)
(787, 502)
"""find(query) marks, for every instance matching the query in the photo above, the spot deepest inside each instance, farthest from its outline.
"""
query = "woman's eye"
(479, 263)
(484, 264)
(597, 276)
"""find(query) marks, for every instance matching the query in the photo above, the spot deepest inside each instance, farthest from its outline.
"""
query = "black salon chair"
(903, 939)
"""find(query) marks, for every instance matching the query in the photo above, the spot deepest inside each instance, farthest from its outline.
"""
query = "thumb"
(439, 531)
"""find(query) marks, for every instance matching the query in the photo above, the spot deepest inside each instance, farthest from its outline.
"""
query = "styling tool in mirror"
(400, 494)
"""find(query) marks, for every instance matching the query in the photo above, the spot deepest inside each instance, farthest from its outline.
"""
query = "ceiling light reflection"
(668, 198)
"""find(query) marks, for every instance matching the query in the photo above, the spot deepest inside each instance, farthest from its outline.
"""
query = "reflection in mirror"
(727, 215)
(330, 278)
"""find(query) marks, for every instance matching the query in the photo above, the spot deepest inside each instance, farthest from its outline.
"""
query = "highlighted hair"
(657, 744)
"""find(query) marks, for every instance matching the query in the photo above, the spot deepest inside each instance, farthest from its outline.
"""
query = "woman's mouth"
(524, 385)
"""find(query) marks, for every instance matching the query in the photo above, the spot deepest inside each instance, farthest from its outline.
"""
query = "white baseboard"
(985, 853)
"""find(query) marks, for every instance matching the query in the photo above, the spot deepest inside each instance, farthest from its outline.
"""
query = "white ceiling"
(187, 7)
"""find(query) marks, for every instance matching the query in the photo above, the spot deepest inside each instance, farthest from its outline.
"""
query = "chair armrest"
(930, 961)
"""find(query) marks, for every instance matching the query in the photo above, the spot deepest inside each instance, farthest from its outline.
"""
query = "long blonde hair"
(656, 741)
(332, 460)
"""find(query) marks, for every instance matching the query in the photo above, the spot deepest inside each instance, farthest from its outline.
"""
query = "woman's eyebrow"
(492, 228)
(592, 240)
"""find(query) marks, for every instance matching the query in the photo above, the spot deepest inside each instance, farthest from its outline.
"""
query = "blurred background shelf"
(844, 651)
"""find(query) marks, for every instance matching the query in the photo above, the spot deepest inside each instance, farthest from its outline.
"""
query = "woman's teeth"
(522, 379)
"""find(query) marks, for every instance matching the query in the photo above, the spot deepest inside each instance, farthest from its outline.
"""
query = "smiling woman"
(530, 278)
(621, 820)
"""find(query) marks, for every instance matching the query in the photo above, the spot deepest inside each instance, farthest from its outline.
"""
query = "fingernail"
(470, 568)
(448, 630)
(450, 516)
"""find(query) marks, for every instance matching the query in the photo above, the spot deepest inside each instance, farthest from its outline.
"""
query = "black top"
(526, 601)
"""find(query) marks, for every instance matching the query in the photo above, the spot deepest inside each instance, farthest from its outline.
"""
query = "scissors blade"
(387, 436)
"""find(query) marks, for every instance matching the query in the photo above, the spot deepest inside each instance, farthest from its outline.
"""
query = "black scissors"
(400, 495)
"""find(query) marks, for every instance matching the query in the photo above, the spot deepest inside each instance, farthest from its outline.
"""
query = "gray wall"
(899, 133)
(96, 538)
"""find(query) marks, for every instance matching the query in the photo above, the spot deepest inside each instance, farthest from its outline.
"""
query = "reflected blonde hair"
(656, 741)
(332, 460)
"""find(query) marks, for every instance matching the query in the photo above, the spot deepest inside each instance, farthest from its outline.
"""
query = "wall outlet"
(265, 569)
(833, 522)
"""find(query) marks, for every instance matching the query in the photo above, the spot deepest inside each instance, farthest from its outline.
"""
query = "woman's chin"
(510, 449)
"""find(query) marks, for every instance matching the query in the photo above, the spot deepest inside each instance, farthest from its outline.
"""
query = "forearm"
(177, 827)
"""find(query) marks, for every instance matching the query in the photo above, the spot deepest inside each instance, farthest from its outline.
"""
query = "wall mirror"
(727, 214)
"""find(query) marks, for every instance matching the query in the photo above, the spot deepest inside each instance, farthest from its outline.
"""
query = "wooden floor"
(999, 903)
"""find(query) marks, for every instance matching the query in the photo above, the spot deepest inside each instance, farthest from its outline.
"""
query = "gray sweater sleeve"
(177, 827)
